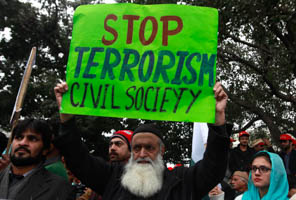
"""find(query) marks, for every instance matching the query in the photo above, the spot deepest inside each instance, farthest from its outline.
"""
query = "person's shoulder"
(251, 150)
(236, 149)
(239, 197)
(53, 178)
(293, 197)
(60, 185)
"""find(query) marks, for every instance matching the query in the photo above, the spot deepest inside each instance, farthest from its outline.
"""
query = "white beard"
(143, 179)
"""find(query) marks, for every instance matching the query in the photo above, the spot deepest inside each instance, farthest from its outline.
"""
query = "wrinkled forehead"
(145, 138)
(235, 177)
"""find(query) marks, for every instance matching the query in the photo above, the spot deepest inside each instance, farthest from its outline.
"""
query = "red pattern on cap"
(243, 133)
(125, 133)
(260, 143)
(285, 137)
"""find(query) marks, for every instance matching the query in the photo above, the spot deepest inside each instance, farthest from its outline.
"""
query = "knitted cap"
(125, 135)
(151, 128)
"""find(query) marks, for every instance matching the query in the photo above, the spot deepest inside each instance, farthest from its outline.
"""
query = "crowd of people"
(42, 165)
(258, 172)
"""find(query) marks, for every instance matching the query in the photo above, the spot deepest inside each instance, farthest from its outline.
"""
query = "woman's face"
(261, 169)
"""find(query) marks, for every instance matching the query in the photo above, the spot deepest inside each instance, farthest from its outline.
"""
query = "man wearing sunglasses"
(288, 154)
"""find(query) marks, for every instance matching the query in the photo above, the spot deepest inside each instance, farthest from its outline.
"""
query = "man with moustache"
(240, 156)
(25, 178)
(119, 146)
(288, 154)
(145, 175)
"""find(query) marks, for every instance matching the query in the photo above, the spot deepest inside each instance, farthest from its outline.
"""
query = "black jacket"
(292, 161)
(179, 184)
(240, 160)
(44, 185)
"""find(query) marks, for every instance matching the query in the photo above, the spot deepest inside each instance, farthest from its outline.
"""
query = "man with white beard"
(145, 176)
(143, 170)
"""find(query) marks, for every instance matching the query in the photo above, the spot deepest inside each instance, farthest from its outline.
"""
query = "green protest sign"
(153, 62)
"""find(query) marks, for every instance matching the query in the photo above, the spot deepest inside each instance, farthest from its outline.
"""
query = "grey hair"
(161, 144)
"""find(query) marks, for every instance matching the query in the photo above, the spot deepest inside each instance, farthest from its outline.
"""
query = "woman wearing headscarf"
(267, 179)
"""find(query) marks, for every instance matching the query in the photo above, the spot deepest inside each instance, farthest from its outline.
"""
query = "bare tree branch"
(275, 91)
(268, 120)
(249, 44)
(248, 125)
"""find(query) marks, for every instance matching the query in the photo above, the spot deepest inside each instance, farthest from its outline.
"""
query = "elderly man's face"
(143, 174)
(238, 184)
(145, 145)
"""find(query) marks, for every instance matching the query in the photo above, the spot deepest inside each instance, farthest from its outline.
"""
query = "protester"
(288, 154)
(119, 151)
(119, 146)
(225, 183)
(268, 178)
(268, 146)
(258, 145)
(145, 175)
(239, 182)
(240, 155)
(53, 162)
(26, 178)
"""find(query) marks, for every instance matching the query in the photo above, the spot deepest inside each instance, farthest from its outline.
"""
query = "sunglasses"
(283, 141)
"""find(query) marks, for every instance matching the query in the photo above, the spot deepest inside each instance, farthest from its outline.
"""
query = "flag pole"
(21, 95)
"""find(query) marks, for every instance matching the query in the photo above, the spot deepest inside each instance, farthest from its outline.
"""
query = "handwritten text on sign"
(150, 62)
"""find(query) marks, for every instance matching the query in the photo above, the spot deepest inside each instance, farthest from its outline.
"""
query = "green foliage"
(256, 62)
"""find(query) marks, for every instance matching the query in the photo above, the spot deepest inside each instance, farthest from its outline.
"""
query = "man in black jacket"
(288, 154)
(241, 155)
(26, 178)
(145, 176)
(119, 146)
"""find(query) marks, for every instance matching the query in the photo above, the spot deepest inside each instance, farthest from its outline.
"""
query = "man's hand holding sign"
(135, 61)
(220, 96)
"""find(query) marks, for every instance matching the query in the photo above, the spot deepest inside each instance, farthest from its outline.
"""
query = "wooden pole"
(21, 95)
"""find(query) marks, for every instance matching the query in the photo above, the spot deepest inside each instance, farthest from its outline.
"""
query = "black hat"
(151, 128)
